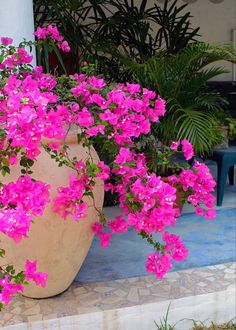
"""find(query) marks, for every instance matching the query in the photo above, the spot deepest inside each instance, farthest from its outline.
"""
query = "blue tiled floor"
(208, 241)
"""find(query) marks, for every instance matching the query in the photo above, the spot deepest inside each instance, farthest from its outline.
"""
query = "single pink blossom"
(175, 145)
(13, 159)
(210, 214)
(187, 149)
(31, 274)
(6, 41)
(199, 211)
(8, 289)
(84, 118)
(64, 46)
(118, 225)
(104, 237)
(95, 130)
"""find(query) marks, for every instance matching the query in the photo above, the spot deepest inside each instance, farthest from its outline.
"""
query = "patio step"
(205, 294)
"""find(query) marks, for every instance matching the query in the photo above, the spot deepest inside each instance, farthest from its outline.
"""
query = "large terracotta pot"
(59, 246)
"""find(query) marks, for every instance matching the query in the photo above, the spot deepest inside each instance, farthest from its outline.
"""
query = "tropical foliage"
(95, 29)
(181, 79)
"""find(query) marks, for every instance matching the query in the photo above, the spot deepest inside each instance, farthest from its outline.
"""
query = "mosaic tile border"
(103, 296)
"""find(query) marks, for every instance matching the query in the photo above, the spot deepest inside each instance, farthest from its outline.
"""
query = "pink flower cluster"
(20, 57)
(8, 288)
(31, 195)
(31, 273)
(52, 33)
(147, 200)
(154, 198)
(174, 246)
(158, 264)
(104, 171)
(187, 148)
(27, 111)
(199, 183)
(69, 199)
(118, 225)
(127, 109)
(149, 203)
(173, 249)
(15, 223)
(31, 110)
(6, 41)
(20, 201)
(104, 237)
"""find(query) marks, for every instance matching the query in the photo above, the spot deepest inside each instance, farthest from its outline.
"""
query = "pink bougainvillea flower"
(123, 157)
(41, 33)
(64, 46)
(175, 145)
(210, 214)
(84, 118)
(95, 130)
(187, 149)
(118, 225)
(158, 265)
(31, 273)
(199, 210)
(104, 173)
(160, 106)
(104, 237)
(54, 33)
(6, 41)
(133, 88)
(54, 146)
(32, 196)
(69, 199)
(8, 289)
(105, 240)
(80, 210)
(20, 57)
(15, 223)
(13, 159)
(97, 83)
(174, 246)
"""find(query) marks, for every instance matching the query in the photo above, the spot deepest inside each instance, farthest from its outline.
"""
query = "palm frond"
(199, 128)
(181, 79)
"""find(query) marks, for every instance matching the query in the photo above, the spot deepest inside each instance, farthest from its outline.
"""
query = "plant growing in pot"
(227, 124)
(52, 188)
(95, 29)
(168, 162)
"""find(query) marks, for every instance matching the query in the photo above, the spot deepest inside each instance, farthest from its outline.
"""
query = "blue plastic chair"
(225, 159)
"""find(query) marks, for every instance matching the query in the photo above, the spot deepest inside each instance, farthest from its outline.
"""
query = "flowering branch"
(35, 106)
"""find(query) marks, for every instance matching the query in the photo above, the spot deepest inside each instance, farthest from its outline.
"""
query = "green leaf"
(46, 55)
(5, 170)
(2, 253)
(59, 57)
(38, 52)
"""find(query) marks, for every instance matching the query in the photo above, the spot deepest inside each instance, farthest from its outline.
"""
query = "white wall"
(216, 19)
(16, 19)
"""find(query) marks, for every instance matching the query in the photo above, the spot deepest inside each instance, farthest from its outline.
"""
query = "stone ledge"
(206, 292)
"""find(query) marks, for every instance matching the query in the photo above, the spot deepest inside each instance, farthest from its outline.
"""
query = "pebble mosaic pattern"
(94, 297)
